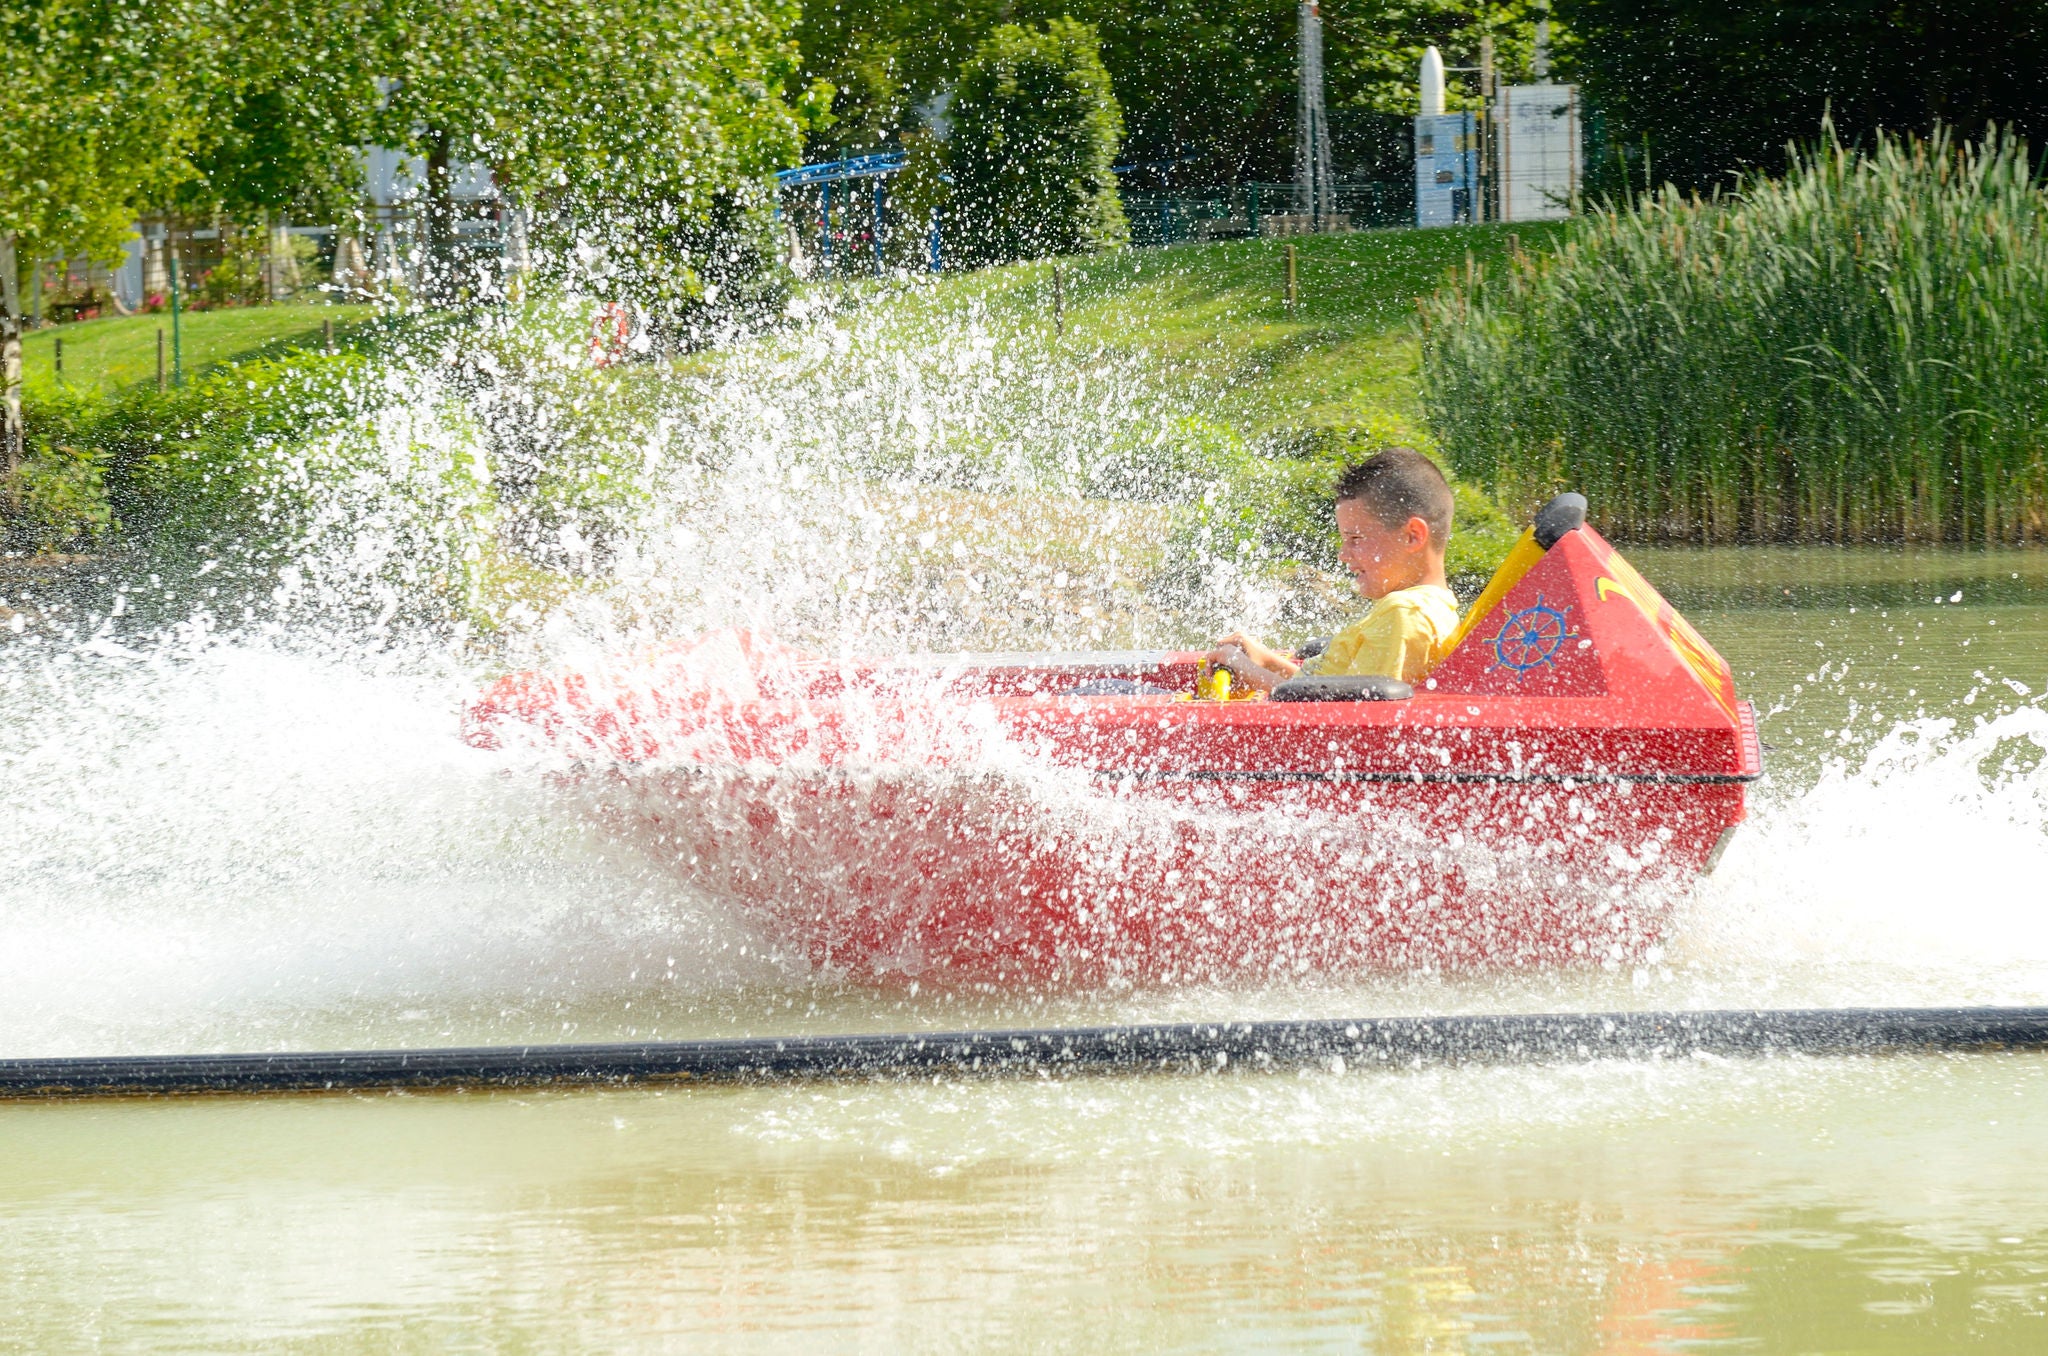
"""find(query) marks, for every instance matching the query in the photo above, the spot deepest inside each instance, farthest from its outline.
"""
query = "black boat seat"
(1355, 687)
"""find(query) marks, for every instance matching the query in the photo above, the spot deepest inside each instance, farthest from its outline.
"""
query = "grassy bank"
(1175, 388)
(1252, 404)
(113, 461)
(1852, 353)
(107, 355)
(1344, 356)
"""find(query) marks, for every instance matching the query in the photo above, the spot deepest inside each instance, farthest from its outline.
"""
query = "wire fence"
(1253, 210)
(832, 228)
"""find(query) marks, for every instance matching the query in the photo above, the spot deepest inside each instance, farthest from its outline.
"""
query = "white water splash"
(244, 840)
(1913, 873)
(259, 826)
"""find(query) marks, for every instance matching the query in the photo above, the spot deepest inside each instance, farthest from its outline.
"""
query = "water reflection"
(327, 866)
(1788, 1206)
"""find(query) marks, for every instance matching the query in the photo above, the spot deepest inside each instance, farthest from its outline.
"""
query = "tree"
(655, 141)
(1709, 89)
(885, 58)
(1206, 89)
(95, 118)
(640, 133)
(1033, 149)
(291, 101)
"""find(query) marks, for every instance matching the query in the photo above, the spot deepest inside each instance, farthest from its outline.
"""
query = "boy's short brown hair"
(1398, 484)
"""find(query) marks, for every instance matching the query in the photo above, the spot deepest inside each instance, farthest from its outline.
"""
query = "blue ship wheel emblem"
(1531, 638)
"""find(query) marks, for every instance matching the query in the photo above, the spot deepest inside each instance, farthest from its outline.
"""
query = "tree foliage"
(287, 94)
(642, 130)
(1208, 89)
(96, 114)
(1033, 150)
(1711, 89)
(640, 133)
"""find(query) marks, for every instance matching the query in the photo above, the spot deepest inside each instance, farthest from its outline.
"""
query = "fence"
(852, 228)
(220, 263)
(1243, 211)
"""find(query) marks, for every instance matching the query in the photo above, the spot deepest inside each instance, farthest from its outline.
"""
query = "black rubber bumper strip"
(1336, 1045)
(1418, 777)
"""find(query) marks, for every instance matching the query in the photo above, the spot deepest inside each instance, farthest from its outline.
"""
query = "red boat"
(1545, 797)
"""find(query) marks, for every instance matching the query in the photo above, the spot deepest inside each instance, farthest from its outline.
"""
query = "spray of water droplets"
(240, 810)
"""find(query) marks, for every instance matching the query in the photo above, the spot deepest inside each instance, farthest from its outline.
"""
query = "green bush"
(1853, 352)
(58, 501)
(195, 468)
(1036, 128)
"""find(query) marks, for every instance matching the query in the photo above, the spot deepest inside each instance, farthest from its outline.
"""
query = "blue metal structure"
(836, 171)
(876, 167)
(1446, 168)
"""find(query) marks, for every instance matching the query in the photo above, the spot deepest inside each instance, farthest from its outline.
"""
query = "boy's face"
(1381, 558)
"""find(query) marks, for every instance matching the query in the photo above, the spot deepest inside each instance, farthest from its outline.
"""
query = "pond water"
(261, 847)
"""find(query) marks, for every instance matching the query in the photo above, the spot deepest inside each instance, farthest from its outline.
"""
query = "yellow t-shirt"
(1403, 637)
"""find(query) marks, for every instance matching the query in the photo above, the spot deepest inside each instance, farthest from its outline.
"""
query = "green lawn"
(1185, 361)
(117, 351)
(1346, 354)
(1308, 386)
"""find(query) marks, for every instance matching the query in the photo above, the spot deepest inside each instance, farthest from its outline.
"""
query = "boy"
(1394, 517)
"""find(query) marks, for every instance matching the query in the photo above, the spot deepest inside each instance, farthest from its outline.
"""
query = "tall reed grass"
(1855, 352)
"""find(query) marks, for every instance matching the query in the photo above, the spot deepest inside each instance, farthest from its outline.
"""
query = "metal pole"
(177, 325)
(876, 234)
(1485, 207)
(11, 439)
(825, 224)
(1059, 321)
(1312, 158)
(160, 378)
(1290, 276)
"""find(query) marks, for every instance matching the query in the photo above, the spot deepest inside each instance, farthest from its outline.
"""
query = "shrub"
(194, 468)
(59, 500)
(1850, 353)
(1036, 128)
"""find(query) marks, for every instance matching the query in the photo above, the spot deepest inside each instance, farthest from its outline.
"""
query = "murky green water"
(404, 894)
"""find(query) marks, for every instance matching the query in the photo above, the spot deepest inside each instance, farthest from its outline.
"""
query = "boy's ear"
(1417, 532)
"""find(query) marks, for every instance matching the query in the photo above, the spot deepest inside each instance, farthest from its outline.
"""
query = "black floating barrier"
(1339, 1044)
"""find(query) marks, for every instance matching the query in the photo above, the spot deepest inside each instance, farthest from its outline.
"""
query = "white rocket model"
(1432, 83)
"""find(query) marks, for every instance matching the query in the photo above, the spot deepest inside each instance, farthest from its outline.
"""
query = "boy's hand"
(1266, 658)
(1251, 662)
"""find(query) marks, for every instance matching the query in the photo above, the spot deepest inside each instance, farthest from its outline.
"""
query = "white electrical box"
(1537, 151)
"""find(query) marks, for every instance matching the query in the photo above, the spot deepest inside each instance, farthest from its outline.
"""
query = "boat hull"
(1545, 798)
(922, 875)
